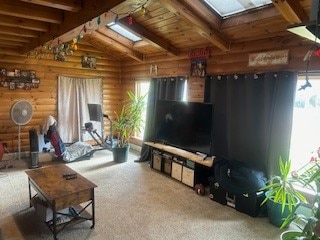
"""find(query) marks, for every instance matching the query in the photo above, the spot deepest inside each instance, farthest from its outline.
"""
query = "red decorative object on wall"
(199, 53)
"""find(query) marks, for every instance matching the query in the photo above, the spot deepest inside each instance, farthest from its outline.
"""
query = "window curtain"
(74, 94)
(171, 88)
(252, 117)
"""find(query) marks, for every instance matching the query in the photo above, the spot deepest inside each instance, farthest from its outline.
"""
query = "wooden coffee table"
(60, 192)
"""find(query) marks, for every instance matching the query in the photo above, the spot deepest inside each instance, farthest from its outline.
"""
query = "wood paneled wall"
(233, 61)
(44, 98)
(120, 76)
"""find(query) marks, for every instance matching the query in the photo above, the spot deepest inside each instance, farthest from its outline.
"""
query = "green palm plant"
(280, 189)
(309, 224)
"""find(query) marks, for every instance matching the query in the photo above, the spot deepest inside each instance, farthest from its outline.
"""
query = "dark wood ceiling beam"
(150, 37)
(23, 23)
(23, 10)
(15, 38)
(118, 46)
(291, 10)
(7, 52)
(18, 32)
(67, 5)
(200, 26)
(10, 43)
(91, 9)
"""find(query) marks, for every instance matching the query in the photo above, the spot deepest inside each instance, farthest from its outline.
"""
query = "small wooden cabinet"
(181, 165)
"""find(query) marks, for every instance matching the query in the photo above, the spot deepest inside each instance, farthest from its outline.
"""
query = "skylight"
(124, 32)
(226, 8)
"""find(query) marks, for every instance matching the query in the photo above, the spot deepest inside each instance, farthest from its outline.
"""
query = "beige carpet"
(132, 202)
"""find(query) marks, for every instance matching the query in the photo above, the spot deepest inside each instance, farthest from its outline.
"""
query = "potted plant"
(128, 121)
(282, 198)
(307, 221)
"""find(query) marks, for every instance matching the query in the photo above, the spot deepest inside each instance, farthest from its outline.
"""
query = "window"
(124, 32)
(228, 8)
(305, 137)
(142, 88)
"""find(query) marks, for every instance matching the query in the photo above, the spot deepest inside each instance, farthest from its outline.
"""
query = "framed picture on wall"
(12, 85)
(32, 74)
(3, 72)
(198, 67)
(36, 80)
(17, 72)
(89, 62)
(25, 73)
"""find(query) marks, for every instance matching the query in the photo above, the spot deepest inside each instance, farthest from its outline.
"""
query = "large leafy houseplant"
(308, 223)
(281, 195)
(129, 119)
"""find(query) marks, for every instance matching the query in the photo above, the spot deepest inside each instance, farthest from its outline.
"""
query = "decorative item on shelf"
(25, 74)
(17, 72)
(3, 74)
(19, 79)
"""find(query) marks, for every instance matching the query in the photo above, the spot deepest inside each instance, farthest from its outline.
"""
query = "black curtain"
(252, 117)
(170, 88)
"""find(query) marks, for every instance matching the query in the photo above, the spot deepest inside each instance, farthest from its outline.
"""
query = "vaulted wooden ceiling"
(167, 27)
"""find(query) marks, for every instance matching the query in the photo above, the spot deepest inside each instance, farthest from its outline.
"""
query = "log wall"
(120, 76)
(233, 61)
(44, 98)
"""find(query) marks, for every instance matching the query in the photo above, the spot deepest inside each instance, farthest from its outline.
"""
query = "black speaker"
(33, 137)
(34, 149)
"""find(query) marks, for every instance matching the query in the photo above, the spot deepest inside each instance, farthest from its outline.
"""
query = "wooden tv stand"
(186, 167)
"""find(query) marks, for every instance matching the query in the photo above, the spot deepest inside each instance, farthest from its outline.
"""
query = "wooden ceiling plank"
(14, 38)
(201, 27)
(67, 5)
(18, 32)
(11, 43)
(204, 11)
(114, 44)
(291, 10)
(5, 51)
(73, 21)
(23, 10)
(150, 37)
(250, 18)
(23, 23)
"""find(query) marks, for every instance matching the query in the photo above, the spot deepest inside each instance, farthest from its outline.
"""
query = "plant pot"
(290, 235)
(276, 217)
(120, 154)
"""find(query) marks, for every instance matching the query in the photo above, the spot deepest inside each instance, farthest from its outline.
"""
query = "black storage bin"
(217, 193)
(250, 203)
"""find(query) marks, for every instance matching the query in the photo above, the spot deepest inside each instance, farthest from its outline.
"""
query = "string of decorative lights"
(61, 49)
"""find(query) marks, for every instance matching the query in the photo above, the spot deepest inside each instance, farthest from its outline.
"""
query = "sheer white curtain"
(74, 94)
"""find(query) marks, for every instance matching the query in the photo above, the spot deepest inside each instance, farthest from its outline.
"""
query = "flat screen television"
(186, 125)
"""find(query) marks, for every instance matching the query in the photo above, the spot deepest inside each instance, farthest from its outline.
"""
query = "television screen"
(186, 125)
